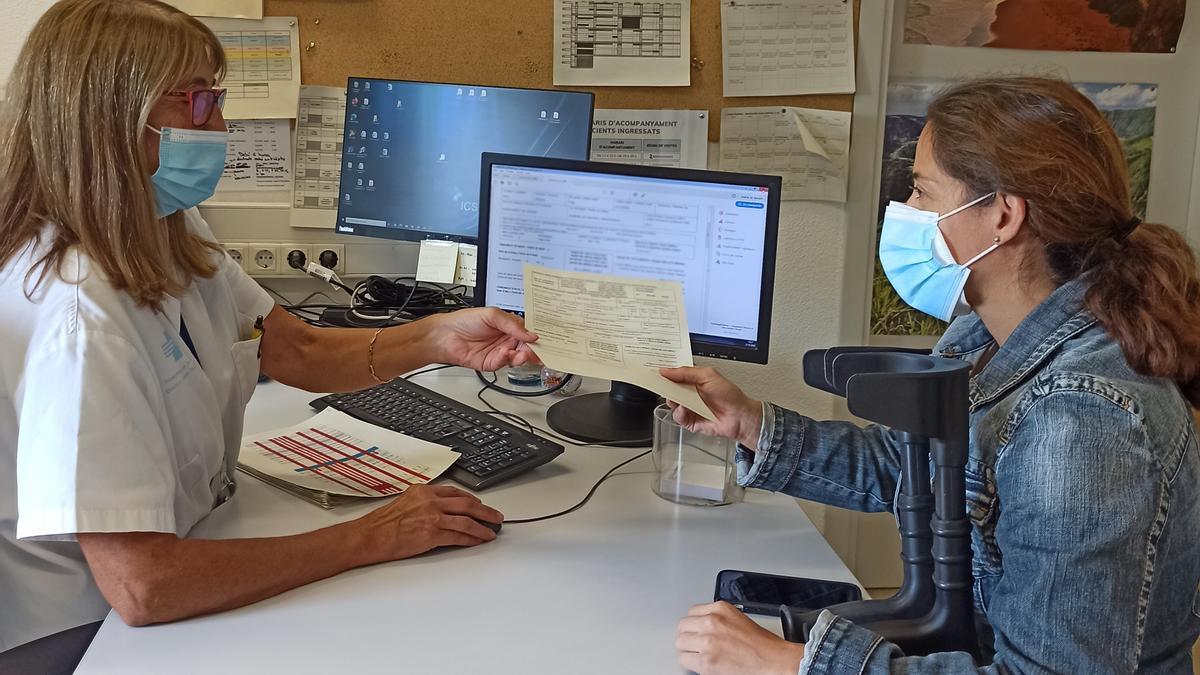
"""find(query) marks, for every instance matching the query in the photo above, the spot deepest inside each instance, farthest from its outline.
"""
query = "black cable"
(427, 370)
(586, 498)
(539, 430)
(493, 410)
(520, 394)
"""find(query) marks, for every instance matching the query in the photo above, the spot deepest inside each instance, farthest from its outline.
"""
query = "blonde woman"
(130, 349)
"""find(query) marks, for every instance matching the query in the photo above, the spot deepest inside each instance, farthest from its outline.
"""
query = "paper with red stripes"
(336, 453)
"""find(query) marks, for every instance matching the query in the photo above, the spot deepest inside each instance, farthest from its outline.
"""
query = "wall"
(16, 19)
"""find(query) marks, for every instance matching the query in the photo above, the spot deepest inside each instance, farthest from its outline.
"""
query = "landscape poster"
(1055, 25)
(1130, 108)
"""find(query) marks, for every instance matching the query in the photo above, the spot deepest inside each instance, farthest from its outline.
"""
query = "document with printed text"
(809, 148)
(613, 328)
(337, 454)
(262, 66)
(676, 138)
(784, 47)
(259, 157)
(607, 42)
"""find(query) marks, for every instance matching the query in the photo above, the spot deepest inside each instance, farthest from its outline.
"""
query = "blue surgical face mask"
(918, 262)
(190, 162)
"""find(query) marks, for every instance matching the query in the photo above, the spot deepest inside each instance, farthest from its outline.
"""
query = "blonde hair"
(71, 143)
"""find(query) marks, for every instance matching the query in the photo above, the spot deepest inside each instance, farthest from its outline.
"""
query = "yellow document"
(614, 328)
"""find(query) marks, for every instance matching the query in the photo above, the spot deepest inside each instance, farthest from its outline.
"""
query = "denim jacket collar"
(1059, 318)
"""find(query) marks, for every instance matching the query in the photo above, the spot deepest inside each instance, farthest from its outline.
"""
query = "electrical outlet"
(338, 250)
(238, 253)
(286, 251)
(264, 259)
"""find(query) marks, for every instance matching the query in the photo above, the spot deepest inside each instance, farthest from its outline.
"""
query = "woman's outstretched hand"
(738, 416)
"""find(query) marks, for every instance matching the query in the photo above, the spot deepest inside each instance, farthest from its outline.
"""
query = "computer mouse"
(494, 527)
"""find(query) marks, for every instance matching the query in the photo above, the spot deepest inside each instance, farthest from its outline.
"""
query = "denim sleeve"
(835, 463)
(1081, 507)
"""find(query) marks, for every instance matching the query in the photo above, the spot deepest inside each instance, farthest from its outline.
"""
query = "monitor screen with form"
(410, 165)
(714, 233)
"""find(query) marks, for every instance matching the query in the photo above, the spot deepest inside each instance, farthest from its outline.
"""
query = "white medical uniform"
(108, 423)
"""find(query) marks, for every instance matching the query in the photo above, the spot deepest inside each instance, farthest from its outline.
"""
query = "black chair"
(924, 399)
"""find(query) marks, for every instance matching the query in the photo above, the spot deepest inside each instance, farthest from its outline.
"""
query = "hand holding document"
(613, 328)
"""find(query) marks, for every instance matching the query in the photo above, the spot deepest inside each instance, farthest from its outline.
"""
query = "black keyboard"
(492, 450)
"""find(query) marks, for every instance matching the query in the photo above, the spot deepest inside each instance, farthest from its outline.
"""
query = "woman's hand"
(423, 518)
(717, 639)
(485, 338)
(738, 416)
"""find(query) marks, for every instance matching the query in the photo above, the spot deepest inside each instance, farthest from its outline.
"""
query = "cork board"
(505, 43)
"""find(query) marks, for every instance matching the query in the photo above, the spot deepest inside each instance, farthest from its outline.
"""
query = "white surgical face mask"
(917, 260)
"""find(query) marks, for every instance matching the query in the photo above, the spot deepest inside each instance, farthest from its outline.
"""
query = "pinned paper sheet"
(437, 261)
(608, 42)
(675, 138)
(262, 70)
(336, 453)
(467, 255)
(319, 128)
(784, 47)
(234, 9)
(615, 328)
(259, 156)
(808, 148)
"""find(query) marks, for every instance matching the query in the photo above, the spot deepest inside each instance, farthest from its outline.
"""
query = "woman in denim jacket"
(1083, 328)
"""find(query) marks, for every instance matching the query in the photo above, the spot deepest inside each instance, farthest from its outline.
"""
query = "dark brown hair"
(1042, 140)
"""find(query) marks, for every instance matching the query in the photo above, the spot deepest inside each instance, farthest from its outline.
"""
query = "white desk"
(597, 591)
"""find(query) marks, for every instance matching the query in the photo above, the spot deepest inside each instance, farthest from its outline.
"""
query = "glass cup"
(692, 468)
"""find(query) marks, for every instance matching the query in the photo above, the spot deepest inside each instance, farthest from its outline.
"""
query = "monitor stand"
(623, 416)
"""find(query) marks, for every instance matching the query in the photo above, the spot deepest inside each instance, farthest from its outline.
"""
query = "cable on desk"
(428, 370)
(493, 410)
(491, 384)
(586, 498)
(392, 301)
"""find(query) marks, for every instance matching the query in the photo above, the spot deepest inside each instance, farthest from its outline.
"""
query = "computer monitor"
(410, 165)
(712, 231)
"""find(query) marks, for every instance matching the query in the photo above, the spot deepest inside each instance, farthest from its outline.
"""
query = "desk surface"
(597, 591)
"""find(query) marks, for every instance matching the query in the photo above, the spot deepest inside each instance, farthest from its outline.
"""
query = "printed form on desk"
(614, 328)
(333, 453)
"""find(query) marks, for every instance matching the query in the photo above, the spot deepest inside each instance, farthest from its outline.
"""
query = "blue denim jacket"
(1083, 487)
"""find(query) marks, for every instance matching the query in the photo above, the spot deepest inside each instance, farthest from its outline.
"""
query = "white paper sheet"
(339, 454)
(676, 138)
(319, 127)
(263, 66)
(783, 47)
(437, 261)
(607, 42)
(234, 9)
(468, 254)
(259, 157)
(808, 148)
(615, 328)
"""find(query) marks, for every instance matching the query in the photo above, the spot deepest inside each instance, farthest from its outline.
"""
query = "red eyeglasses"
(201, 103)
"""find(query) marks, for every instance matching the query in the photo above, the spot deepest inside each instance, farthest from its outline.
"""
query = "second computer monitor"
(410, 159)
(714, 232)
